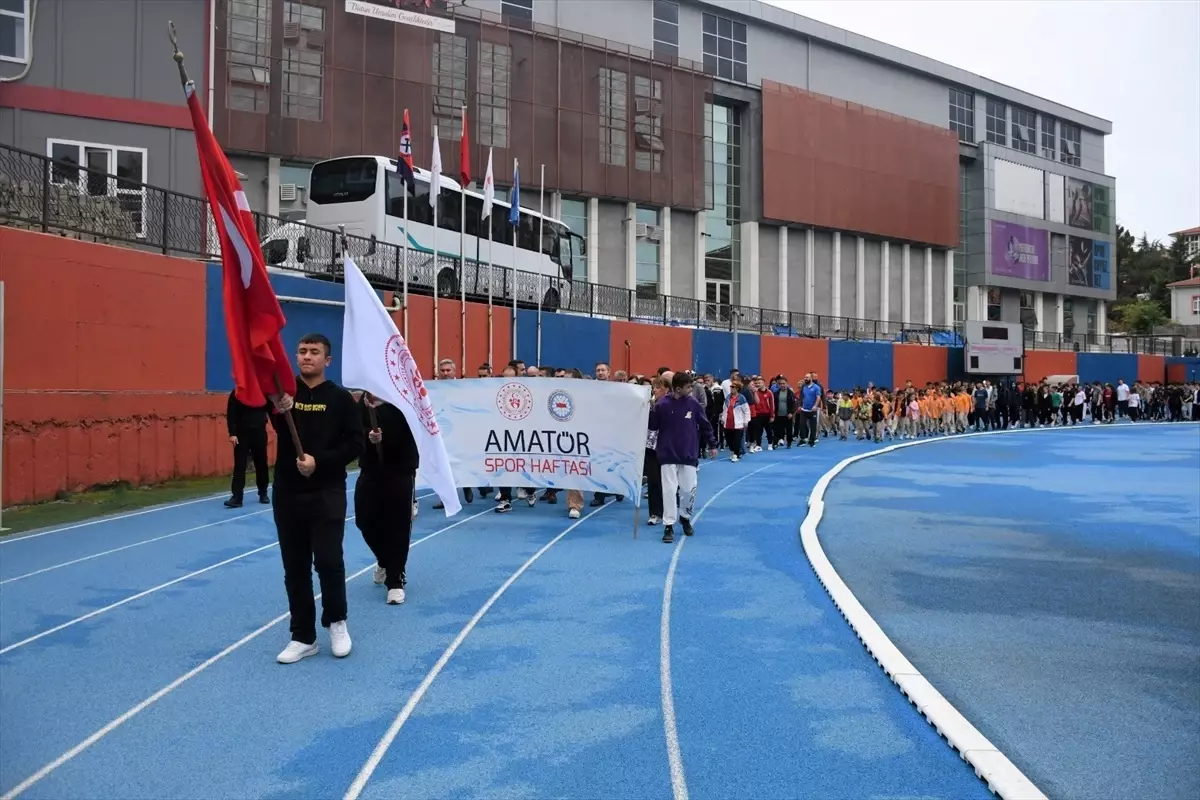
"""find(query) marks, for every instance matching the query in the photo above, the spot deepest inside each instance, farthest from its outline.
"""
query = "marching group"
(692, 417)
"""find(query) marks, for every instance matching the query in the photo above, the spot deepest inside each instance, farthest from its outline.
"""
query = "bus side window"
(448, 210)
(501, 229)
(474, 213)
(527, 233)
(418, 201)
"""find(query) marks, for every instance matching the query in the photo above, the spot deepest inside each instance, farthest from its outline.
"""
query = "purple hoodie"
(680, 421)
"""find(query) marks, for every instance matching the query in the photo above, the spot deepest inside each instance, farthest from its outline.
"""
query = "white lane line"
(364, 775)
(674, 754)
(144, 541)
(187, 676)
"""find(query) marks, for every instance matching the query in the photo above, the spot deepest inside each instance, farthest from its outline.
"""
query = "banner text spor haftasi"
(544, 432)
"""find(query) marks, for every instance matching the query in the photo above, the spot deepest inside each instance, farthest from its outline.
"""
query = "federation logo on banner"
(560, 405)
(402, 370)
(514, 402)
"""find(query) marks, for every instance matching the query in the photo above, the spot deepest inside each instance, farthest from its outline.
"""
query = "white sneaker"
(379, 576)
(416, 510)
(296, 651)
(733, 457)
(652, 521)
(573, 513)
(395, 597)
(339, 639)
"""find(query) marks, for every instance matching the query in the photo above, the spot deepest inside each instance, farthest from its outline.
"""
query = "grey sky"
(1136, 63)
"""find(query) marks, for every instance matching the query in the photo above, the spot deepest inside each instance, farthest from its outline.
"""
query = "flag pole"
(541, 228)
(516, 226)
(488, 179)
(462, 252)
(436, 201)
(404, 300)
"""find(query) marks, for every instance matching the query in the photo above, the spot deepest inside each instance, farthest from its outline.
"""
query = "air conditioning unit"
(287, 192)
(291, 30)
(654, 233)
(642, 230)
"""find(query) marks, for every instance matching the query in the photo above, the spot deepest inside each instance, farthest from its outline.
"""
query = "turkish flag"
(253, 318)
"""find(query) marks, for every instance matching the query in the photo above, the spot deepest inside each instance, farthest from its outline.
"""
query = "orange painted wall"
(918, 363)
(1042, 363)
(420, 328)
(793, 357)
(1152, 369)
(650, 347)
(104, 368)
(1176, 373)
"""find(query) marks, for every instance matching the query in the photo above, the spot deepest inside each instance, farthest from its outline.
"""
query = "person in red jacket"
(762, 414)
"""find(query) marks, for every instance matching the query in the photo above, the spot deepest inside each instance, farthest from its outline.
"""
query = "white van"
(287, 247)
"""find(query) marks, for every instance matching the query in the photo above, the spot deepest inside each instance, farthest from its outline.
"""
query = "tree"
(1140, 316)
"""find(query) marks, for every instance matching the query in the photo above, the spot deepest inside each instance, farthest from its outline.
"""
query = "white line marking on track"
(364, 775)
(187, 676)
(145, 541)
(99, 520)
(674, 754)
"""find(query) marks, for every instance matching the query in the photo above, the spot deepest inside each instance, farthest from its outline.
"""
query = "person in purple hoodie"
(680, 422)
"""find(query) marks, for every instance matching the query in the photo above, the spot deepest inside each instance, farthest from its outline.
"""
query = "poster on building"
(1101, 209)
(1101, 277)
(1079, 203)
(1079, 265)
(1020, 252)
(544, 432)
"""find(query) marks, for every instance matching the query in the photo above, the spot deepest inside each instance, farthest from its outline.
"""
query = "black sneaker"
(597, 501)
(233, 502)
(669, 534)
(264, 499)
(469, 495)
(687, 526)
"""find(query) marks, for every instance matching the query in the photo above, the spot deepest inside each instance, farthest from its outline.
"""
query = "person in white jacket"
(735, 418)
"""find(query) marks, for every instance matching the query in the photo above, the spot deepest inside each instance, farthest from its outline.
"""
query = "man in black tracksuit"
(310, 498)
(248, 435)
(388, 472)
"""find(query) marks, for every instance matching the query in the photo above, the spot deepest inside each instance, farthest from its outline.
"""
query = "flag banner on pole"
(253, 318)
(514, 197)
(435, 172)
(375, 358)
(405, 162)
(489, 189)
(464, 155)
(540, 432)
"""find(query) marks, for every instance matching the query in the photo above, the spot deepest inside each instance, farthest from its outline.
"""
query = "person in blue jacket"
(681, 423)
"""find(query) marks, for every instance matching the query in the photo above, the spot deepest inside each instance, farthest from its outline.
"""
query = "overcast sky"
(1135, 63)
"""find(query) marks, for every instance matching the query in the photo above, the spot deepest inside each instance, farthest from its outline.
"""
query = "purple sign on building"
(1020, 252)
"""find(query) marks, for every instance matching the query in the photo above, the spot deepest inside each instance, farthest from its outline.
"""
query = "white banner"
(559, 433)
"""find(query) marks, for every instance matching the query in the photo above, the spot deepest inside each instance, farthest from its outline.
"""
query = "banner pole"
(462, 255)
(636, 509)
(2, 528)
(404, 300)
(541, 224)
(516, 233)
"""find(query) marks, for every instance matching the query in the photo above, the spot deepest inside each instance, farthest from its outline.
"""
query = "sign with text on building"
(1020, 252)
(544, 432)
(400, 16)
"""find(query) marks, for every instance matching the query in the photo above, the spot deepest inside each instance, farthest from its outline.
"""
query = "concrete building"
(1191, 240)
(1185, 300)
(722, 150)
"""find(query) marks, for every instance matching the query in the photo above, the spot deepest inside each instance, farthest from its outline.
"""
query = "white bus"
(366, 194)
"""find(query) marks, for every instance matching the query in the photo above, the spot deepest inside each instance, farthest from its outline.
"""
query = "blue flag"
(514, 197)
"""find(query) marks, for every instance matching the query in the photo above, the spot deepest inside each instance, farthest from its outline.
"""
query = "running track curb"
(1002, 777)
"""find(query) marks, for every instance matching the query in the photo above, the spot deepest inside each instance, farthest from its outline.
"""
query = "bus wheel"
(447, 285)
(550, 301)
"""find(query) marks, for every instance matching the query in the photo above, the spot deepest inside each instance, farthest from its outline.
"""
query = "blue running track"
(137, 653)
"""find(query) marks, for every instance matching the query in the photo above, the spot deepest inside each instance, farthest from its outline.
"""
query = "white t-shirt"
(1134, 400)
(1080, 397)
(1122, 393)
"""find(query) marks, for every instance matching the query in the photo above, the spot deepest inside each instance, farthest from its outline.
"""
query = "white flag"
(376, 358)
(489, 188)
(435, 171)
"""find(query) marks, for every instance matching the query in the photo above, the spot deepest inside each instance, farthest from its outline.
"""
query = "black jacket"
(399, 448)
(331, 431)
(242, 420)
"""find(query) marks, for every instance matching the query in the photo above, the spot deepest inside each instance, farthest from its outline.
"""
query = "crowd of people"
(691, 417)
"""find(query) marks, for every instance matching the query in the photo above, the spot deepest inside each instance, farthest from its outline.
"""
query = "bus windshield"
(343, 180)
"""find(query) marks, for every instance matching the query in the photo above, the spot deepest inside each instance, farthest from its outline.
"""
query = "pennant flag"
(376, 358)
(514, 198)
(489, 188)
(435, 171)
(464, 155)
(405, 161)
(253, 318)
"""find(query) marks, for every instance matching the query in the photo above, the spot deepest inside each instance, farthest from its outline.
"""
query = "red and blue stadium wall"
(117, 366)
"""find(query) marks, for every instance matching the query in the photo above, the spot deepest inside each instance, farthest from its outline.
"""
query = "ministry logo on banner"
(539, 432)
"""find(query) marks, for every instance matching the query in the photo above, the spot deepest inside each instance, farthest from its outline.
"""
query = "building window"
(108, 171)
(303, 61)
(997, 114)
(1029, 313)
(1049, 150)
(993, 305)
(960, 303)
(14, 30)
(1196, 304)
(248, 58)
(1069, 141)
(963, 216)
(725, 48)
(449, 84)
(614, 116)
(666, 28)
(1024, 130)
(649, 251)
(573, 214)
(494, 60)
(1092, 309)
(962, 114)
(723, 189)
(517, 9)
(647, 124)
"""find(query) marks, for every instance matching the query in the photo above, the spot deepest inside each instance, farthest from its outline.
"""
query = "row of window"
(14, 30)
(1029, 314)
(102, 170)
(248, 60)
(1019, 131)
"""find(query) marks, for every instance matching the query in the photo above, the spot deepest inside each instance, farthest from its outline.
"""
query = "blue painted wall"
(1191, 366)
(712, 351)
(567, 341)
(955, 368)
(1106, 367)
(853, 364)
(302, 319)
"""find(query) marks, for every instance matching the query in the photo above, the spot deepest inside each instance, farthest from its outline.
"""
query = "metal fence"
(70, 200)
